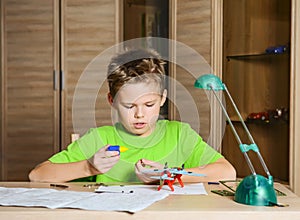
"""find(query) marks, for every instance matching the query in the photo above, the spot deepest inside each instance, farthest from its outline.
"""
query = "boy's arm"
(219, 170)
(101, 162)
(61, 172)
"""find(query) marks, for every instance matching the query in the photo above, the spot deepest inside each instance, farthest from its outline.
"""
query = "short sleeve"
(81, 149)
(202, 153)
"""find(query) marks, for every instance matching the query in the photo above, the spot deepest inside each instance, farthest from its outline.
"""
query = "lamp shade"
(209, 82)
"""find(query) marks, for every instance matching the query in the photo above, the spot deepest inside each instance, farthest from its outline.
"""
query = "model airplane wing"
(162, 177)
(184, 172)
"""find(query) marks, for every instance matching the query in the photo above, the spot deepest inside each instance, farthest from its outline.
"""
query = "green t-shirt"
(173, 142)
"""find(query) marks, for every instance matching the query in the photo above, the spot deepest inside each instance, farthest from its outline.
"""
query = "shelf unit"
(258, 81)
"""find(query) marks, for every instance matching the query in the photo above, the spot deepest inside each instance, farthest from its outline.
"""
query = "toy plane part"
(163, 177)
(169, 175)
(174, 171)
(184, 172)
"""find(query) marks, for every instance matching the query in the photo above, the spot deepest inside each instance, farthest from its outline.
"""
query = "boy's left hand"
(147, 165)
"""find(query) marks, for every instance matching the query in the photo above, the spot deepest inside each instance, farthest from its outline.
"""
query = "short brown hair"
(137, 65)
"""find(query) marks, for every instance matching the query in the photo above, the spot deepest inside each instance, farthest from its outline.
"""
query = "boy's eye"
(150, 105)
(128, 106)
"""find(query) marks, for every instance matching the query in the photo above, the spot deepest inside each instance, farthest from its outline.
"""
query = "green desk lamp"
(254, 189)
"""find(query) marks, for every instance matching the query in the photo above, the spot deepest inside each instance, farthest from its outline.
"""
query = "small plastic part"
(117, 148)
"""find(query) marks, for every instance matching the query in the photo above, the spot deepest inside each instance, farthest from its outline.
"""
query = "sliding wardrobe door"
(29, 96)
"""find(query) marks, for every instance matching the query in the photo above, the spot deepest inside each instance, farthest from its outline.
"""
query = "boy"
(136, 93)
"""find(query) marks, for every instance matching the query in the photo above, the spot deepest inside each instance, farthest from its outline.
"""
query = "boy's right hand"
(103, 160)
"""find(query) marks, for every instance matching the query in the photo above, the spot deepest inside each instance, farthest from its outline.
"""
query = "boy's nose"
(139, 113)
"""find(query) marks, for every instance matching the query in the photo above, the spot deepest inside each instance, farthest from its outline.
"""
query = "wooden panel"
(295, 101)
(29, 101)
(88, 29)
(193, 29)
(258, 83)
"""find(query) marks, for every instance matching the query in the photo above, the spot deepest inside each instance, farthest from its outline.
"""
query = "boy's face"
(138, 106)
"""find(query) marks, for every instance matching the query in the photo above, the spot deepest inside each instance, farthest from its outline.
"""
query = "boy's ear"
(110, 98)
(163, 97)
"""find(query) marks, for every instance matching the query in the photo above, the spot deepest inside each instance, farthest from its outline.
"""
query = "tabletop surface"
(212, 206)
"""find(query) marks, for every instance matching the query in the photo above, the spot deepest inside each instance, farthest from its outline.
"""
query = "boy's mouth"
(139, 125)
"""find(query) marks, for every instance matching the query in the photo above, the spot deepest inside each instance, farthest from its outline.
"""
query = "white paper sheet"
(51, 198)
(130, 198)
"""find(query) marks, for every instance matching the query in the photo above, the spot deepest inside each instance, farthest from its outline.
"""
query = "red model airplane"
(169, 175)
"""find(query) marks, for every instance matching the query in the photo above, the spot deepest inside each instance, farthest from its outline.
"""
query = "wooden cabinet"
(45, 47)
(258, 80)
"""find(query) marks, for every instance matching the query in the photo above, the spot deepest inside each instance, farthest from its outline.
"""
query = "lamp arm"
(239, 115)
(247, 131)
(235, 133)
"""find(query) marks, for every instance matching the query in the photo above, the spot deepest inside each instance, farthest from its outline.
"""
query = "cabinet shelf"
(244, 56)
(260, 122)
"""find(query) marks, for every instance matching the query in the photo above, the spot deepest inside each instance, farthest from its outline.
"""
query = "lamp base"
(256, 190)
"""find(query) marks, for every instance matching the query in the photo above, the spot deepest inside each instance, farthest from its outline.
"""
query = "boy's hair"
(133, 66)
